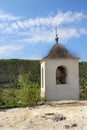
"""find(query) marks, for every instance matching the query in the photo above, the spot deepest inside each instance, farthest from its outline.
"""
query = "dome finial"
(56, 39)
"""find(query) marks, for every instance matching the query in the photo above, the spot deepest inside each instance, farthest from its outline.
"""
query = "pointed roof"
(59, 51)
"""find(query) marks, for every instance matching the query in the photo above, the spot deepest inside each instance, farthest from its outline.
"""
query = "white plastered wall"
(53, 91)
(43, 79)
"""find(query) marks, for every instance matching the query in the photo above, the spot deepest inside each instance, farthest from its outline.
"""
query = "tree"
(30, 91)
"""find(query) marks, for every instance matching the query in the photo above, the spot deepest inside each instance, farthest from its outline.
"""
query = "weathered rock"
(74, 125)
(70, 126)
(49, 114)
(40, 103)
(1, 125)
(67, 126)
(58, 117)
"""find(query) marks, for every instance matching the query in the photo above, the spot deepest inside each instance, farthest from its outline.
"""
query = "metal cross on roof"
(56, 39)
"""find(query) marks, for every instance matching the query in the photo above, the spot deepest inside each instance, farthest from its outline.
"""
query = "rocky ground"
(71, 115)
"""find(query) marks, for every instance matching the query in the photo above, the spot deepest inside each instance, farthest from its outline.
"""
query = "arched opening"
(61, 75)
(42, 77)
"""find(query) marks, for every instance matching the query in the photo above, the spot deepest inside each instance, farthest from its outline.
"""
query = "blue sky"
(27, 27)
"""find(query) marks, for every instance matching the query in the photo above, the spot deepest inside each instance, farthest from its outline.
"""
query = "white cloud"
(51, 21)
(83, 31)
(35, 57)
(47, 36)
(9, 49)
(67, 33)
(7, 17)
(58, 19)
(40, 29)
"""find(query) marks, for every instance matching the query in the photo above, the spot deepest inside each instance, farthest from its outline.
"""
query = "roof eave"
(44, 59)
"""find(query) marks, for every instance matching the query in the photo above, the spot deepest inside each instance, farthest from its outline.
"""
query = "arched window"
(42, 77)
(60, 75)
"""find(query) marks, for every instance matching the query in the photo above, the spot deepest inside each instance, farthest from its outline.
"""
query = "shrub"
(9, 98)
(30, 92)
(83, 93)
(1, 97)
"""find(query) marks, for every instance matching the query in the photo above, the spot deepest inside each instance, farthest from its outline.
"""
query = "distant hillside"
(11, 69)
(83, 73)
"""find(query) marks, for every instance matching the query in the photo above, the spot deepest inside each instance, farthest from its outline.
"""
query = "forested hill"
(11, 69)
(83, 73)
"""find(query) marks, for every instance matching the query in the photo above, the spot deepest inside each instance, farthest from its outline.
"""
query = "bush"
(1, 97)
(30, 92)
(9, 98)
(83, 93)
